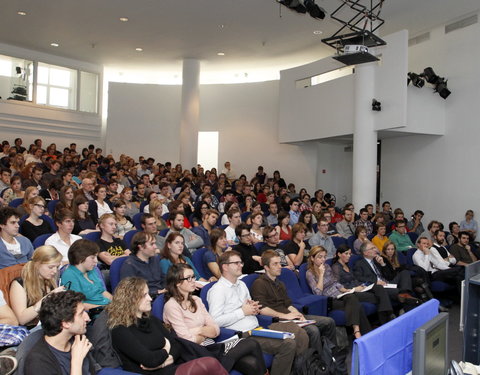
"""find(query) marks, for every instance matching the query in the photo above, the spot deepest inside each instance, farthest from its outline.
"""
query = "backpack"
(311, 362)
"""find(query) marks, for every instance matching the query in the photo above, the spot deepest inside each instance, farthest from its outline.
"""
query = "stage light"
(430, 75)
(304, 6)
(416, 80)
(376, 105)
(442, 88)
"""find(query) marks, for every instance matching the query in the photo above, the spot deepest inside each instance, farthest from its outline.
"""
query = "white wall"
(244, 114)
(144, 120)
(439, 174)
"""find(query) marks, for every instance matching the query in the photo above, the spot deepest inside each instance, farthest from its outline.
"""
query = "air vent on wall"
(462, 23)
(419, 39)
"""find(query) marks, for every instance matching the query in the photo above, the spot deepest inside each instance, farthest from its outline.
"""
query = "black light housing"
(416, 80)
(430, 75)
(304, 6)
(442, 88)
(376, 105)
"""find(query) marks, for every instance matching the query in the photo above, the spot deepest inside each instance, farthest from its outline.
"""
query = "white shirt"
(13, 248)
(430, 262)
(55, 241)
(231, 236)
(225, 302)
(103, 209)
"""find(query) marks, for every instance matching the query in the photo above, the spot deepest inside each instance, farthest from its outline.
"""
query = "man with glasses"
(14, 249)
(272, 240)
(247, 250)
(400, 237)
(323, 239)
(232, 307)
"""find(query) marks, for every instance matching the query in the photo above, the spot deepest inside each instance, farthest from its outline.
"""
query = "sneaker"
(8, 364)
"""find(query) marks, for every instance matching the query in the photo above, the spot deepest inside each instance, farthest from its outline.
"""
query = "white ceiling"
(253, 35)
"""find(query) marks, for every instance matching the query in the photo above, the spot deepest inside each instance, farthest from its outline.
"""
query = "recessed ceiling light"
(123, 19)
(54, 44)
(318, 32)
(222, 26)
(21, 13)
(221, 54)
(138, 49)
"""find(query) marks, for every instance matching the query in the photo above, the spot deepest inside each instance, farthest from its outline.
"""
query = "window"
(16, 77)
(56, 86)
(207, 152)
(88, 92)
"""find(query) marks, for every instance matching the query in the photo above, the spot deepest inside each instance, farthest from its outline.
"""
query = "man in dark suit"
(369, 270)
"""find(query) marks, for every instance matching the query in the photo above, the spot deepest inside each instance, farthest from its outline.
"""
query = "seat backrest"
(337, 241)
(245, 216)
(259, 246)
(413, 236)
(302, 277)
(224, 226)
(50, 222)
(40, 240)
(24, 348)
(157, 306)
(92, 236)
(402, 258)
(353, 259)
(137, 220)
(115, 268)
(204, 292)
(409, 256)
(197, 259)
(128, 237)
(350, 241)
(51, 205)
(291, 282)
(315, 227)
(142, 205)
(166, 216)
(283, 243)
(163, 232)
(249, 279)
(16, 202)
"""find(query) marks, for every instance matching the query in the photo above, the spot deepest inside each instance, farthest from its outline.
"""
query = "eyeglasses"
(245, 235)
(39, 205)
(237, 263)
(188, 278)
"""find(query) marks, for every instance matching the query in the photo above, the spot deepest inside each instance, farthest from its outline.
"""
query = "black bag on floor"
(311, 362)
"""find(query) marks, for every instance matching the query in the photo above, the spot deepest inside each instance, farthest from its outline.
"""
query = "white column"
(190, 112)
(364, 138)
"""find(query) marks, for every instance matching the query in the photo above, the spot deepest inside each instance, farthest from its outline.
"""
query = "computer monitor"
(430, 347)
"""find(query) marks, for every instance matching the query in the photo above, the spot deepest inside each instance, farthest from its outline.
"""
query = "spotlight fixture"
(430, 75)
(18, 70)
(54, 44)
(304, 6)
(416, 80)
(21, 13)
(442, 88)
(376, 105)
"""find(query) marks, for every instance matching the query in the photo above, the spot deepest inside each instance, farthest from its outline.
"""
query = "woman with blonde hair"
(143, 343)
(156, 209)
(34, 226)
(39, 278)
(30, 192)
(322, 281)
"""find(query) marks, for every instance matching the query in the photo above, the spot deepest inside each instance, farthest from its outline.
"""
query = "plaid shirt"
(367, 224)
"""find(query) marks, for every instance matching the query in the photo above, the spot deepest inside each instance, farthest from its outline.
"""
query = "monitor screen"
(430, 347)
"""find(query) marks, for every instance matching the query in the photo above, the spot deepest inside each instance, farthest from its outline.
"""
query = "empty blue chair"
(128, 237)
(197, 259)
(137, 220)
(40, 240)
(115, 268)
(16, 202)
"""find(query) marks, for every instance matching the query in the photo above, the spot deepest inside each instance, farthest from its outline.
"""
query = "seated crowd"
(90, 241)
